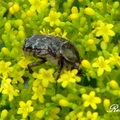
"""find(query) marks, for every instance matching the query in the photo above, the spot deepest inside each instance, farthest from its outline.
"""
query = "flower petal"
(97, 100)
(86, 104)
(93, 105)
(111, 33)
(100, 71)
(107, 68)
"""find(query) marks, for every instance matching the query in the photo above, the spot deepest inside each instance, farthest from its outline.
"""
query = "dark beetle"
(51, 48)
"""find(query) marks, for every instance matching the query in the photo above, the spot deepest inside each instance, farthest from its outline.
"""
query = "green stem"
(4, 4)
(104, 2)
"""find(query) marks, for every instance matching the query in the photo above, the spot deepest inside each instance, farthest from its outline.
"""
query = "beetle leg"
(35, 64)
(59, 71)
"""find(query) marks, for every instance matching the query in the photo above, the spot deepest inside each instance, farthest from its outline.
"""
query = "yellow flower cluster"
(38, 5)
(14, 8)
(89, 116)
(43, 79)
(8, 89)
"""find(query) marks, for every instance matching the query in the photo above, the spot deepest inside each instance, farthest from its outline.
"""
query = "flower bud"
(16, 7)
(5, 51)
(80, 114)
(63, 103)
(40, 114)
(82, 90)
(83, 21)
(90, 42)
(106, 103)
(18, 22)
(7, 26)
(113, 84)
(21, 28)
(57, 30)
(12, 11)
(89, 11)
(116, 4)
(29, 13)
(4, 114)
(21, 34)
(74, 9)
(74, 16)
(86, 64)
(99, 5)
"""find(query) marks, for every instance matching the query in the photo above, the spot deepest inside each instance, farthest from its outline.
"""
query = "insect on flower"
(52, 49)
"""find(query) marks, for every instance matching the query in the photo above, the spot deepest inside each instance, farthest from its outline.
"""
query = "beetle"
(52, 49)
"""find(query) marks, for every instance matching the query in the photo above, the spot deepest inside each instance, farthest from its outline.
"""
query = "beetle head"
(29, 42)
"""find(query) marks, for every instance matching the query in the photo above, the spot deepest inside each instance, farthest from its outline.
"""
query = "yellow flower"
(102, 65)
(38, 93)
(39, 5)
(90, 42)
(80, 115)
(23, 62)
(45, 76)
(69, 77)
(115, 59)
(91, 45)
(56, 32)
(36, 82)
(25, 108)
(91, 100)
(91, 116)
(4, 82)
(5, 68)
(53, 18)
(104, 30)
(9, 90)
(17, 76)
